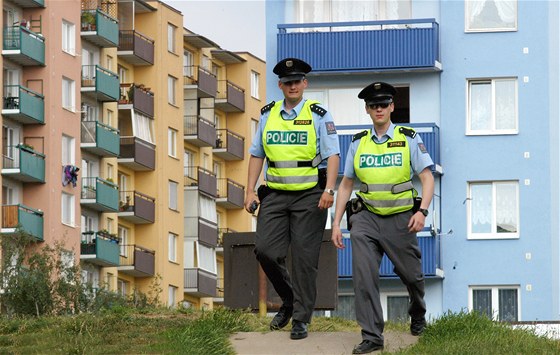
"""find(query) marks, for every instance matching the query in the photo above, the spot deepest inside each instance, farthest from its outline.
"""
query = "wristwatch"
(330, 191)
(424, 211)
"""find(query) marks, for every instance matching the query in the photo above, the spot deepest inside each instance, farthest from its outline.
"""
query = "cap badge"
(289, 63)
(377, 86)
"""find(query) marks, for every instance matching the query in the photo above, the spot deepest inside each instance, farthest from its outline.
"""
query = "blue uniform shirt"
(327, 138)
(419, 157)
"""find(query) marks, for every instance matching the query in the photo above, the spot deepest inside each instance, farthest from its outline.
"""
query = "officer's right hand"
(336, 236)
(250, 197)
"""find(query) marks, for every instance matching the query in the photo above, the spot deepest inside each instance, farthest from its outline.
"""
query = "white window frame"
(188, 63)
(173, 195)
(493, 234)
(68, 209)
(171, 30)
(255, 84)
(68, 94)
(493, 130)
(123, 236)
(495, 298)
(171, 90)
(356, 11)
(171, 296)
(68, 150)
(206, 257)
(68, 37)
(385, 301)
(172, 247)
(172, 142)
(471, 5)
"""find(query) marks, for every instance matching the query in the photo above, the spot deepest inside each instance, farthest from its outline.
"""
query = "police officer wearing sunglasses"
(387, 213)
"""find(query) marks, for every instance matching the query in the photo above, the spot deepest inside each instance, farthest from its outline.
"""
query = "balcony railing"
(135, 48)
(23, 105)
(230, 97)
(199, 131)
(100, 83)
(100, 248)
(136, 207)
(205, 231)
(230, 194)
(364, 46)
(136, 261)
(428, 131)
(100, 194)
(99, 28)
(222, 232)
(204, 81)
(25, 218)
(100, 139)
(23, 46)
(200, 282)
(137, 154)
(22, 163)
(141, 98)
(204, 179)
(229, 145)
(29, 3)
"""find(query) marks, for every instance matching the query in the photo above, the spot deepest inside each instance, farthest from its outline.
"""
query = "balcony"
(205, 82)
(137, 154)
(135, 48)
(199, 131)
(230, 97)
(136, 207)
(229, 146)
(99, 28)
(23, 46)
(22, 163)
(431, 265)
(100, 84)
(136, 97)
(100, 248)
(100, 139)
(230, 195)
(24, 218)
(28, 3)
(100, 195)
(363, 47)
(201, 178)
(205, 231)
(136, 261)
(23, 105)
(428, 131)
(199, 282)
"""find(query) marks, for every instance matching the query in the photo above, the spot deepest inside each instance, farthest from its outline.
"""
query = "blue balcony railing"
(100, 28)
(23, 46)
(22, 163)
(100, 194)
(101, 82)
(23, 105)
(365, 46)
(26, 218)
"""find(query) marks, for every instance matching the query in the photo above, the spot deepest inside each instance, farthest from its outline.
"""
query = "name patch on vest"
(286, 137)
(380, 161)
(396, 144)
(302, 122)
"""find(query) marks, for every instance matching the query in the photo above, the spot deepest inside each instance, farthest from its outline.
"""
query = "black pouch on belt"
(322, 178)
(262, 192)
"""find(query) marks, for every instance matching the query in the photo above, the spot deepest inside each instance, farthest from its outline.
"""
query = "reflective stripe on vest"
(289, 145)
(384, 169)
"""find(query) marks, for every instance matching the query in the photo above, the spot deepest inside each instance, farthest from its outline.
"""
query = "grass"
(161, 331)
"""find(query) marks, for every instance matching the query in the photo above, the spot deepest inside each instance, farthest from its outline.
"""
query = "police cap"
(378, 93)
(291, 69)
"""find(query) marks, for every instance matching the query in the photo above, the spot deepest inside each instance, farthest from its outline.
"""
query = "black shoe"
(281, 318)
(366, 346)
(417, 326)
(299, 330)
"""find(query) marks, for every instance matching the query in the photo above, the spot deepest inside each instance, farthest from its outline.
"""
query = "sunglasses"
(375, 106)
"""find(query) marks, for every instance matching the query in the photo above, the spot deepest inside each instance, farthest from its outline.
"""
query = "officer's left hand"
(326, 200)
(416, 222)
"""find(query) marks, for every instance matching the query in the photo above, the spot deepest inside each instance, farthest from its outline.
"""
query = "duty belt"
(296, 164)
(396, 188)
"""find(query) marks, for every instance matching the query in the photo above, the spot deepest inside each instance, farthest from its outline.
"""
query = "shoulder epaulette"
(359, 135)
(266, 108)
(407, 131)
(318, 110)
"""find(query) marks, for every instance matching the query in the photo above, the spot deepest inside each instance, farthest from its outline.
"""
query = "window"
(68, 209)
(172, 142)
(497, 302)
(255, 84)
(188, 64)
(68, 149)
(123, 236)
(171, 298)
(110, 118)
(143, 127)
(492, 106)
(123, 74)
(171, 29)
(311, 11)
(68, 37)
(173, 195)
(172, 247)
(171, 82)
(490, 15)
(68, 94)
(493, 210)
(122, 287)
(206, 258)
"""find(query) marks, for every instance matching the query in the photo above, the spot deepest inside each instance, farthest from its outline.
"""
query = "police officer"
(297, 138)
(384, 159)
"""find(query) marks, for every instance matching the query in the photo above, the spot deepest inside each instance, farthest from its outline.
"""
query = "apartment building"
(479, 81)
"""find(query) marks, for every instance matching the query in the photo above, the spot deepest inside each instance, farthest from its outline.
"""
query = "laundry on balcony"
(70, 175)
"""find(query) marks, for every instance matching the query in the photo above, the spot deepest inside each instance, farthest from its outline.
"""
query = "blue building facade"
(480, 82)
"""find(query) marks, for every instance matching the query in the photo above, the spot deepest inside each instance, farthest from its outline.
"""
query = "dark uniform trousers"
(292, 217)
(372, 236)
